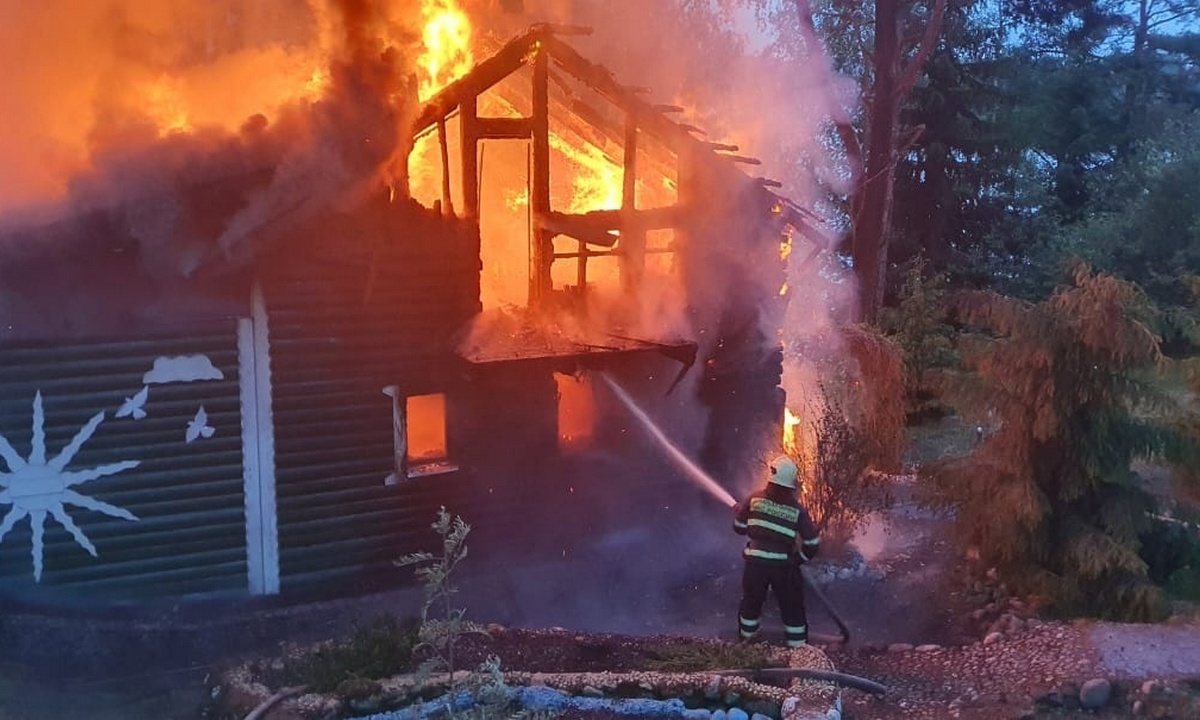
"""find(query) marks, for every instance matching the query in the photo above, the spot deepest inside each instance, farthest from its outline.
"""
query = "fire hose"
(811, 588)
(700, 478)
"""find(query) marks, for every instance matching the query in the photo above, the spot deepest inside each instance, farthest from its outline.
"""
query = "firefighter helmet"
(784, 472)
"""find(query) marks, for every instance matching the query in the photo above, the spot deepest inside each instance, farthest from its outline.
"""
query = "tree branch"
(909, 139)
(908, 77)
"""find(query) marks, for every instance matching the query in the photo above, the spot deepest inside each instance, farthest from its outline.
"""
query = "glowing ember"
(785, 247)
(447, 40)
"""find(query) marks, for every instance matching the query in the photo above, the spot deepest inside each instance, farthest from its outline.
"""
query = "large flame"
(791, 421)
(447, 52)
(597, 182)
(800, 444)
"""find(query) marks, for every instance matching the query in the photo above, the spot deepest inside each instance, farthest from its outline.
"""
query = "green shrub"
(700, 655)
(838, 489)
(380, 649)
(918, 325)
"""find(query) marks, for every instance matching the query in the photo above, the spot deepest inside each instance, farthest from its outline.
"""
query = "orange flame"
(800, 444)
(790, 422)
(597, 182)
(164, 105)
(447, 46)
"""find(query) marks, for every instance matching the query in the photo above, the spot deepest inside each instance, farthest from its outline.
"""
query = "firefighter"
(781, 537)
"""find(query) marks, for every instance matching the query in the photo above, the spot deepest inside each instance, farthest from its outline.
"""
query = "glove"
(737, 509)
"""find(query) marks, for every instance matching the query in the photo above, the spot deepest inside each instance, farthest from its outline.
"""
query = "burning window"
(576, 412)
(419, 432)
(425, 428)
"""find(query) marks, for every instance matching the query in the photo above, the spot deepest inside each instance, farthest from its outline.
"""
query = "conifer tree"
(1048, 496)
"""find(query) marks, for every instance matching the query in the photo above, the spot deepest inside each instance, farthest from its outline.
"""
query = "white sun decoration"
(35, 487)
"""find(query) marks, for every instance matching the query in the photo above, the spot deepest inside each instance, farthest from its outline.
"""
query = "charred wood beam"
(660, 159)
(588, 253)
(506, 61)
(582, 255)
(742, 159)
(669, 108)
(557, 29)
(633, 239)
(541, 43)
(616, 252)
(721, 147)
(596, 227)
(540, 283)
(444, 150)
(603, 82)
(494, 128)
(469, 130)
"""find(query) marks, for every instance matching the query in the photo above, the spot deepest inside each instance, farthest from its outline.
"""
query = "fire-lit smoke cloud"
(136, 105)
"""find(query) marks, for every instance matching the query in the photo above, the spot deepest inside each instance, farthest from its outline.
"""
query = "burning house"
(216, 388)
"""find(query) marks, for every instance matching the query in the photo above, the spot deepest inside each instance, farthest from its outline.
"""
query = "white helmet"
(784, 472)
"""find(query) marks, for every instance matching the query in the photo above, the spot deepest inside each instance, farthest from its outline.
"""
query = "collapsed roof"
(588, 107)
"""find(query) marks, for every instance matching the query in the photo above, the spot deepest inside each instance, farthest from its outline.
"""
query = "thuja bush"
(840, 488)
(872, 396)
(1049, 496)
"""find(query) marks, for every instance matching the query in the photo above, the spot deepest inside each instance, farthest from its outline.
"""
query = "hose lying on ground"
(842, 679)
(261, 711)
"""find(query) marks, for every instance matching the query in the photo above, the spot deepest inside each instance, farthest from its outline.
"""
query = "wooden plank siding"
(189, 537)
(341, 329)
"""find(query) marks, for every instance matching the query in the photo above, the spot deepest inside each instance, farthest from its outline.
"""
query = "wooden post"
(542, 252)
(581, 271)
(633, 239)
(468, 119)
(443, 146)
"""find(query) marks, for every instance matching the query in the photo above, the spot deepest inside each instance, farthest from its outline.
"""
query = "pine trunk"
(873, 214)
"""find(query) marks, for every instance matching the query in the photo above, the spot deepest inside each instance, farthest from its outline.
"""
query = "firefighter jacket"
(778, 528)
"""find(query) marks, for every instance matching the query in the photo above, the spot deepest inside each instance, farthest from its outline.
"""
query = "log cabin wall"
(372, 307)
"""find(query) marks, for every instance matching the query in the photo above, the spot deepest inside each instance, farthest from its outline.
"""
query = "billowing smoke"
(291, 110)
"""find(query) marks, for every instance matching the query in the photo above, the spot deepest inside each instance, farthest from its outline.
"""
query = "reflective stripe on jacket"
(777, 526)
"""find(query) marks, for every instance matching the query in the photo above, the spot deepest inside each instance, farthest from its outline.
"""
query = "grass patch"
(950, 436)
(698, 656)
(380, 649)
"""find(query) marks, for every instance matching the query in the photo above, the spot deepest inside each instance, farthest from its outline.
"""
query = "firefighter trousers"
(785, 580)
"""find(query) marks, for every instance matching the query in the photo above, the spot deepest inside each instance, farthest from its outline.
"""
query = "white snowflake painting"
(35, 487)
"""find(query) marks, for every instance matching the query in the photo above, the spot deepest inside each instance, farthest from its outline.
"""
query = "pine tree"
(1048, 496)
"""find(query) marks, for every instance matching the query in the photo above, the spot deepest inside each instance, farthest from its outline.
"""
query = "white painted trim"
(258, 449)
